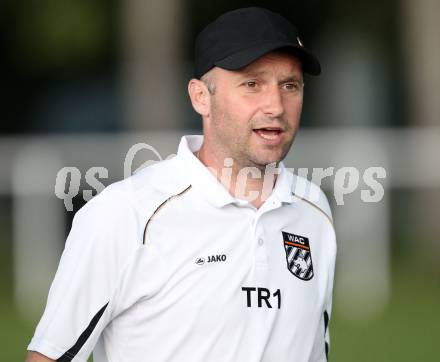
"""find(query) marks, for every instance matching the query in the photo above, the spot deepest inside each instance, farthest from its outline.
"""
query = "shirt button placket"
(260, 252)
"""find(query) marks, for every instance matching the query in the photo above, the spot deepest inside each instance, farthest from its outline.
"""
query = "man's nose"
(273, 102)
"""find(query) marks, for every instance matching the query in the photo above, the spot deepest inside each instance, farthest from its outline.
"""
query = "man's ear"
(200, 97)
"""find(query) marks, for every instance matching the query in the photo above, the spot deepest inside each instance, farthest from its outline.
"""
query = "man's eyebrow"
(291, 78)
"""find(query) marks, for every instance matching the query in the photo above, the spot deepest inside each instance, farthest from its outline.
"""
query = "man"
(211, 255)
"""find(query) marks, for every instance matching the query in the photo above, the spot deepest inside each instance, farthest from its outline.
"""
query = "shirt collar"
(283, 185)
(206, 183)
(199, 175)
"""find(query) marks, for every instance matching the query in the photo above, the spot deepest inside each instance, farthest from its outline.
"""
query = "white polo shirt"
(168, 266)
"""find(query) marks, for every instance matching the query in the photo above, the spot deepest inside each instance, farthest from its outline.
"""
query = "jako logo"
(216, 258)
(200, 261)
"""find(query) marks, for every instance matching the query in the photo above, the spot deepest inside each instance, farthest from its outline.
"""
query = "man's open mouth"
(269, 133)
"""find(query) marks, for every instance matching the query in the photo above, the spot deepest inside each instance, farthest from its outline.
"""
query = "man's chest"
(241, 278)
(218, 261)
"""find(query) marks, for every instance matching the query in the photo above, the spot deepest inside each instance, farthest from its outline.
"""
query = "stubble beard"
(237, 146)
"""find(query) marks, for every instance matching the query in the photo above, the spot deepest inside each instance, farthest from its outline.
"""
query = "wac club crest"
(298, 255)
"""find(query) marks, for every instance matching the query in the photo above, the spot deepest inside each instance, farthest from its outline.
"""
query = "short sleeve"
(81, 300)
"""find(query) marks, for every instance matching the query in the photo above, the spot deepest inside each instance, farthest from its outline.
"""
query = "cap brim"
(310, 63)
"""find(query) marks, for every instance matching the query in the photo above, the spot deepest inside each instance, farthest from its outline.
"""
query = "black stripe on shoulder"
(159, 207)
(315, 206)
(72, 352)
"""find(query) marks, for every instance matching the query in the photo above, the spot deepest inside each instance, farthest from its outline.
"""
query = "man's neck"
(249, 183)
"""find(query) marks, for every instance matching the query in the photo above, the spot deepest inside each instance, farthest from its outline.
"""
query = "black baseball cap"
(239, 37)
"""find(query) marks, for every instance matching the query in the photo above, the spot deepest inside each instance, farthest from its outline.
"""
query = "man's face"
(255, 111)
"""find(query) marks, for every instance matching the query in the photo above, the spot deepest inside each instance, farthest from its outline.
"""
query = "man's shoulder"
(143, 190)
(309, 192)
(163, 176)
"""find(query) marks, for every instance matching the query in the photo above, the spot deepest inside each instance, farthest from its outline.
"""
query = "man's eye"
(250, 83)
(295, 86)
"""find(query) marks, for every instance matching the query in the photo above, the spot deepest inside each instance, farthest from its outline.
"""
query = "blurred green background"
(81, 67)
